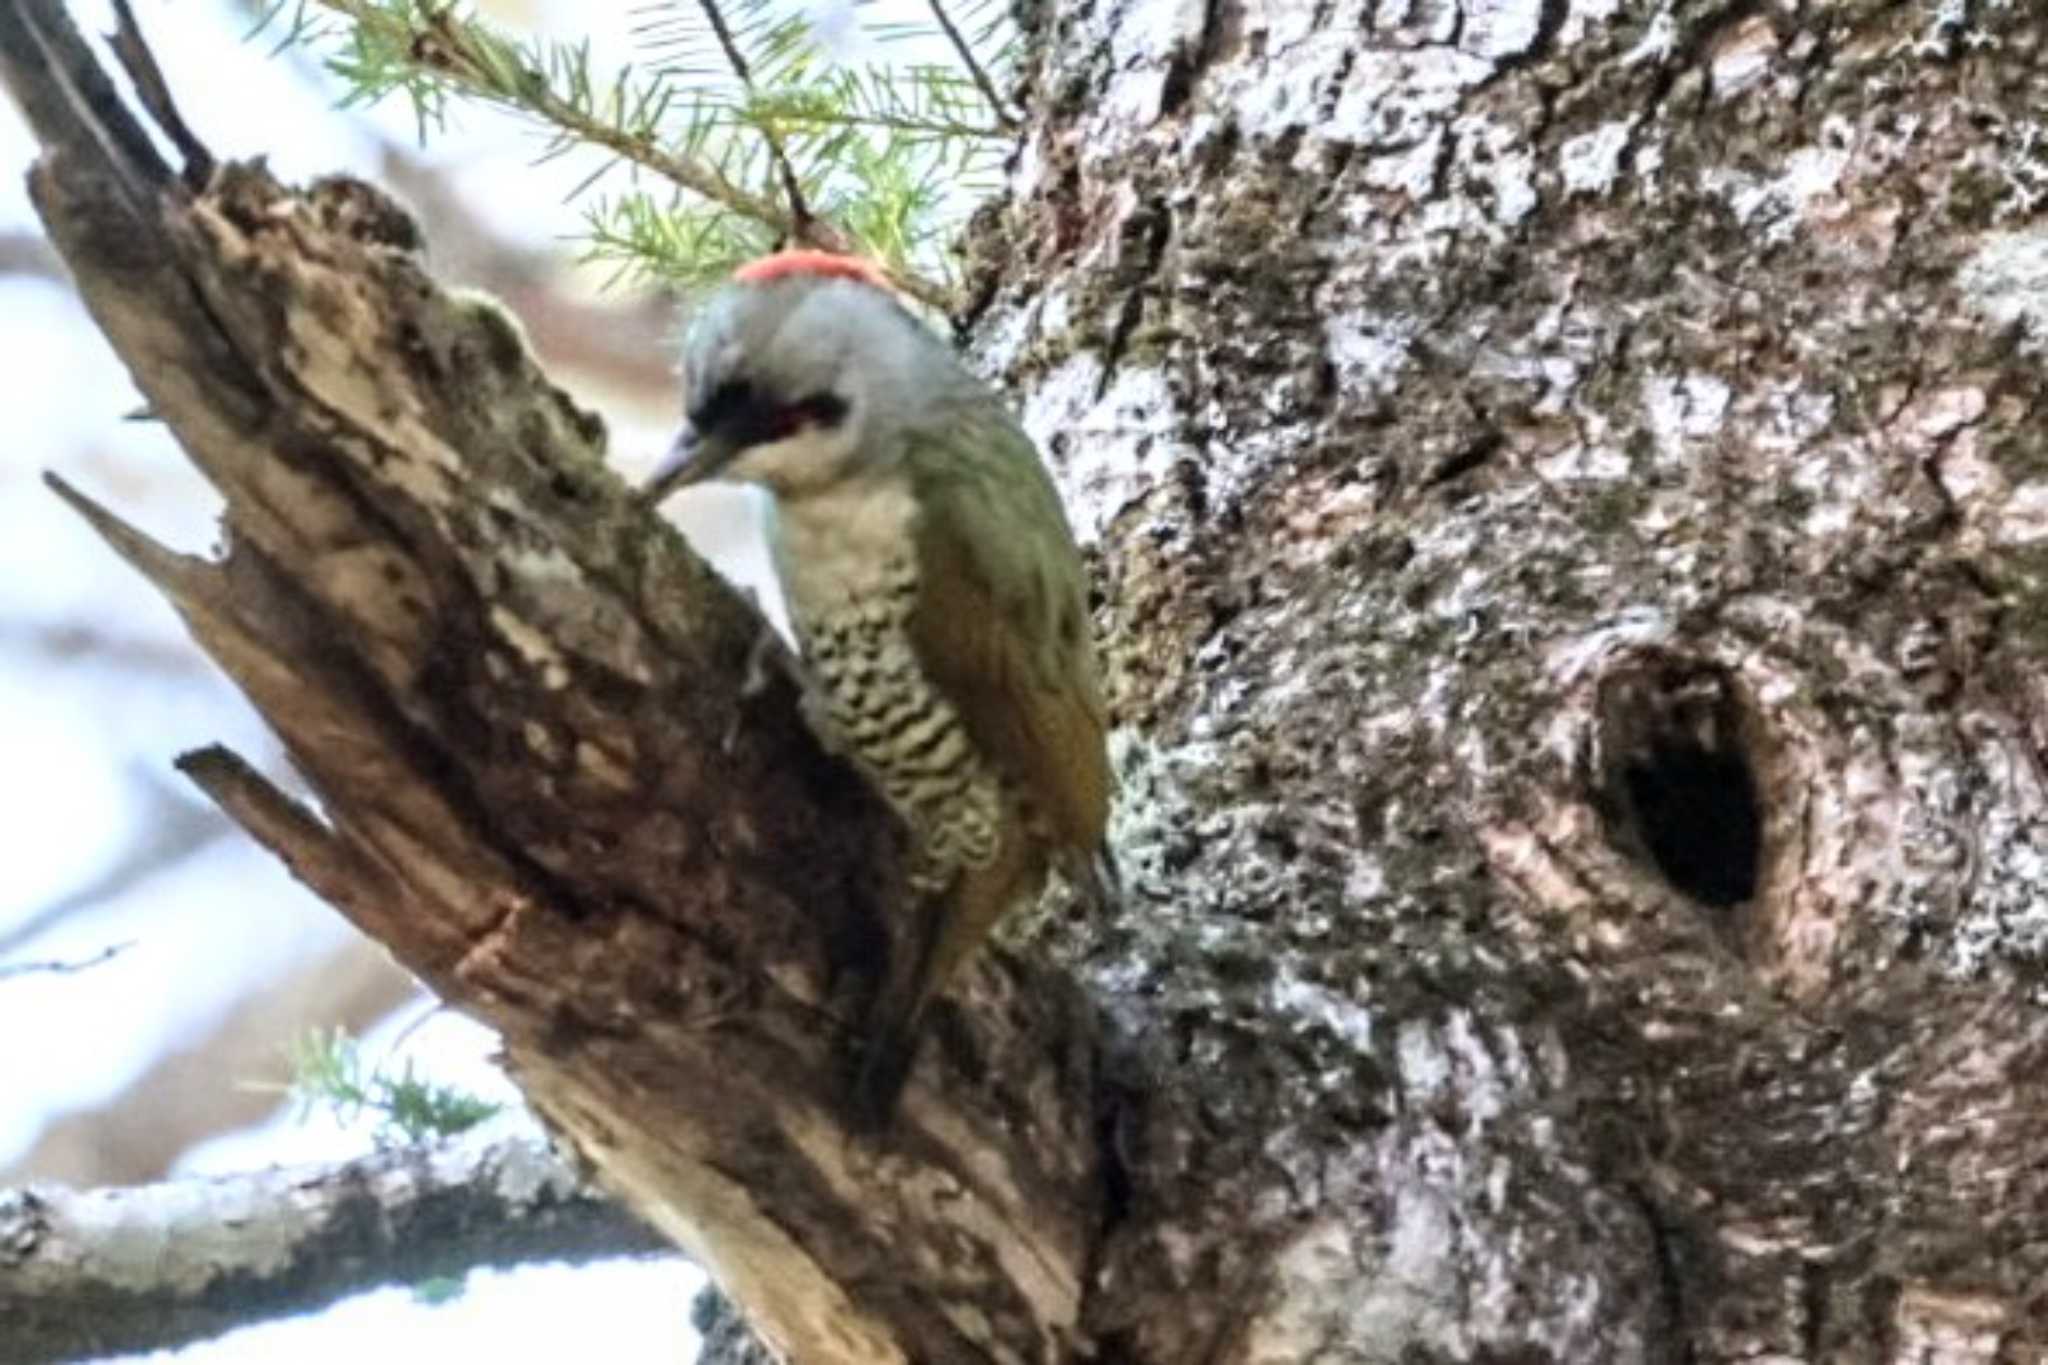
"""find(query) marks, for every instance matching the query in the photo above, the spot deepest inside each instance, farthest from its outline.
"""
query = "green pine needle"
(762, 135)
(328, 1072)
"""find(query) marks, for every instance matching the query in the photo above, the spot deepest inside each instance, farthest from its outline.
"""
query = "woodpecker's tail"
(885, 1059)
(890, 1034)
(1108, 878)
(1095, 876)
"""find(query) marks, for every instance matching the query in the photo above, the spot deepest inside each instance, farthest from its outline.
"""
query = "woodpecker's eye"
(787, 419)
(821, 410)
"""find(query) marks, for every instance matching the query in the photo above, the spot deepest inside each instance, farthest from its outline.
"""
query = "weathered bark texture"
(91, 1273)
(1569, 487)
(519, 698)
(1570, 481)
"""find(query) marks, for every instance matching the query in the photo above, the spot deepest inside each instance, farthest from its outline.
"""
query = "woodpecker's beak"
(692, 457)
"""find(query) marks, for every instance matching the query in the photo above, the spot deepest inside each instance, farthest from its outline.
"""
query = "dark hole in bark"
(1678, 786)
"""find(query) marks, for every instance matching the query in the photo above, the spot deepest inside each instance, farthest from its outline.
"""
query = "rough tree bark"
(1567, 478)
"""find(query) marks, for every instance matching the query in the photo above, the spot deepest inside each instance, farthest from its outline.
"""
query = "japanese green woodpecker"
(936, 592)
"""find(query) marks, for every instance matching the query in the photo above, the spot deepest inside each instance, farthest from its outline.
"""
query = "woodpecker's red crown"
(825, 265)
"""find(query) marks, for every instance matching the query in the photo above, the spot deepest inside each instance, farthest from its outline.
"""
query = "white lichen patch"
(1583, 16)
(1585, 464)
(1496, 29)
(2006, 281)
(1791, 415)
(1425, 1069)
(1274, 96)
(1679, 408)
(2022, 517)
(1116, 446)
(1369, 351)
(1497, 156)
(1153, 32)
(1591, 162)
(1411, 170)
(1315, 1003)
(1146, 37)
(1943, 412)
(1743, 56)
(522, 1173)
(1805, 193)
(1659, 41)
(1427, 1271)
(1395, 99)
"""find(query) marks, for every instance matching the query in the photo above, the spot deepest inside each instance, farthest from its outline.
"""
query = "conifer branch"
(438, 46)
(975, 70)
(799, 211)
(430, 52)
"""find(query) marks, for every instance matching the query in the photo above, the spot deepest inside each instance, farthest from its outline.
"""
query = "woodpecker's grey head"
(797, 374)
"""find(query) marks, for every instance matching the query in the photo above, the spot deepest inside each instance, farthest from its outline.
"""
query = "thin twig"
(56, 967)
(974, 68)
(800, 213)
(155, 93)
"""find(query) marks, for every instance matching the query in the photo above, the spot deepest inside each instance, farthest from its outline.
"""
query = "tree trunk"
(1567, 488)
(1569, 484)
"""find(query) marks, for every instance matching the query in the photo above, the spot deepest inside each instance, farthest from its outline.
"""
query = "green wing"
(1002, 624)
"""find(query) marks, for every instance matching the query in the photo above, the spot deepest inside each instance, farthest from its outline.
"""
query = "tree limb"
(88, 1273)
(517, 696)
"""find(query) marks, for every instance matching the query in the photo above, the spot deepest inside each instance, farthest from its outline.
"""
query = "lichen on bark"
(1568, 626)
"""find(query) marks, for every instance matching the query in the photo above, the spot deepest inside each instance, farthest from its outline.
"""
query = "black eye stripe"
(727, 401)
(735, 408)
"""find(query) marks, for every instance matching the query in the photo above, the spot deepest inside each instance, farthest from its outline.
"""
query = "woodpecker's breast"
(847, 558)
